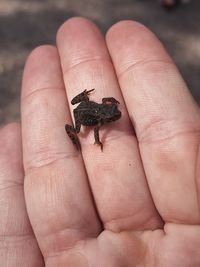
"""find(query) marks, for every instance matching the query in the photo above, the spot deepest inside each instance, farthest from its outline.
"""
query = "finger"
(165, 116)
(116, 175)
(18, 246)
(58, 199)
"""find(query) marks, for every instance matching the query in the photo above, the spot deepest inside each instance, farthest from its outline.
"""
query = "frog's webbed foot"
(96, 136)
(82, 97)
(109, 100)
(71, 131)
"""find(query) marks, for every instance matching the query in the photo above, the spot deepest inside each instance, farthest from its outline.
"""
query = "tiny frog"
(90, 113)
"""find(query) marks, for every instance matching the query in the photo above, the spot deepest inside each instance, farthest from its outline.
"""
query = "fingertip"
(38, 54)
(40, 50)
(124, 26)
(130, 42)
(79, 23)
(42, 62)
(131, 31)
(80, 40)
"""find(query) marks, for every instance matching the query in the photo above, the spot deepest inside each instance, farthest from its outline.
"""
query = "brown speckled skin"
(90, 113)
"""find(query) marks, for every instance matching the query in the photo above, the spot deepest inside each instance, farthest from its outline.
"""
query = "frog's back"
(88, 113)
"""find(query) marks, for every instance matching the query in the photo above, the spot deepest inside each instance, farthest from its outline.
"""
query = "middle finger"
(116, 175)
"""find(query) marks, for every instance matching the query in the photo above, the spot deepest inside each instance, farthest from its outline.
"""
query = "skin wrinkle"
(8, 184)
(67, 247)
(182, 222)
(68, 229)
(69, 250)
(104, 136)
(116, 229)
(16, 241)
(49, 160)
(159, 129)
(83, 61)
(38, 90)
(129, 67)
(19, 237)
(111, 224)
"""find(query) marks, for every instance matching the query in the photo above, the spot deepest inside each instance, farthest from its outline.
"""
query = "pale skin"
(134, 204)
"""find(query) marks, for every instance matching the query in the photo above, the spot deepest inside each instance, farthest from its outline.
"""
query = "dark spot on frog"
(90, 113)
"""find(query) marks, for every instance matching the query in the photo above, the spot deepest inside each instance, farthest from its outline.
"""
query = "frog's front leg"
(71, 131)
(96, 136)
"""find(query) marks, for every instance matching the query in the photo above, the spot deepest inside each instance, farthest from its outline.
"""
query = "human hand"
(134, 204)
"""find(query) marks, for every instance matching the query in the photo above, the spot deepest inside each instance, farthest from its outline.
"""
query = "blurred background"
(25, 24)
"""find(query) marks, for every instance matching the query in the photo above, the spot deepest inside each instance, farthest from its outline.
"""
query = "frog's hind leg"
(96, 136)
(82, 97)
(109, 100)
(71, 131)
(77, 121)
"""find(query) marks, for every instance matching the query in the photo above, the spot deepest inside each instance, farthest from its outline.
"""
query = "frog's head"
(111, 113)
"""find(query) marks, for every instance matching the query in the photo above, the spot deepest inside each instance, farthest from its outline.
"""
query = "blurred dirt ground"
(25, 24)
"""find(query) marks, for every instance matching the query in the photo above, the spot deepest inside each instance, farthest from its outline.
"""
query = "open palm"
(134, 204)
